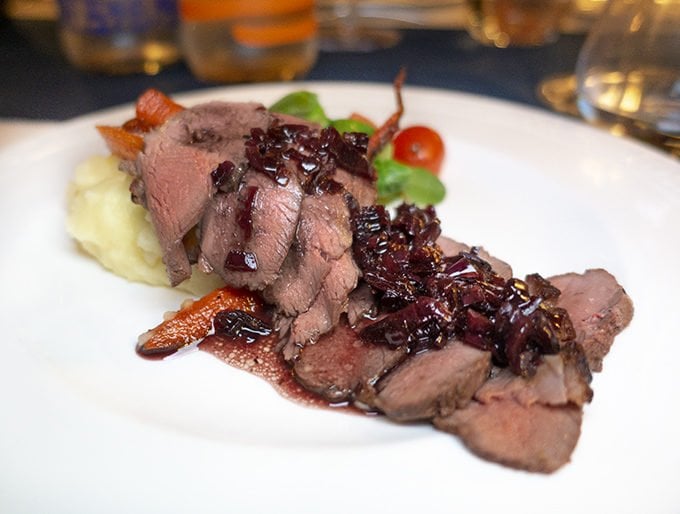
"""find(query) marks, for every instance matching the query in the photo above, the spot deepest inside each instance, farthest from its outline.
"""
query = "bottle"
(119, 36)
(248, 40)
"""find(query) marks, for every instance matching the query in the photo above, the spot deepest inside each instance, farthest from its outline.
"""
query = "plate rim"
(430, 445)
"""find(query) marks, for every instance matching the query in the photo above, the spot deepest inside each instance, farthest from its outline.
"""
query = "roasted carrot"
(194, 320)
(153, 108)
(136, 126)
(122, 143)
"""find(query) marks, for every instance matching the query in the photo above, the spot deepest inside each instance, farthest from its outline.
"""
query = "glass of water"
(628, 71)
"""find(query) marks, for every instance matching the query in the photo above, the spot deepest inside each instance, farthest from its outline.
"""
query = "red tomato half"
(419, 146)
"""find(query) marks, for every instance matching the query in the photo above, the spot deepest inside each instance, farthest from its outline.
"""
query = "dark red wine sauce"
(262, 360)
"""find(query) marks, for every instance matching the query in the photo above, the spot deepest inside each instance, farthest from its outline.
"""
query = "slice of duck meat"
(329, 304)
(432, 383)
(176, 200)
(599, 309)
(363, 190)
(176, 165)
(340, 363)
(560, 379)
(288, 119)
(323, 235)
(538, 438)
(246, 235)
(527, 423)
(361, 305)
(221, 127)
(451, 248)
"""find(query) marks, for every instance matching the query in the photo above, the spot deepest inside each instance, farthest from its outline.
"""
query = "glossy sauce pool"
(262, 360)
(238, 344)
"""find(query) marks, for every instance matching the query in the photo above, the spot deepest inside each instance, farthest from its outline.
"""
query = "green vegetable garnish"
(396, 181)
(302, 104)
(423, 188)
(399, 181)
(347, 125)
(391, 179)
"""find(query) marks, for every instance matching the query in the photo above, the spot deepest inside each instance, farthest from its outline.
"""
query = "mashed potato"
(117, 232)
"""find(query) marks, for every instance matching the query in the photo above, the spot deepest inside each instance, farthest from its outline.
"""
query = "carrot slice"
(194, 320)
(154, 108)
(136, 126)
(122, 143)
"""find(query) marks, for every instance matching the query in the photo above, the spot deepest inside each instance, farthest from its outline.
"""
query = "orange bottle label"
(257, 23)
(211, 10)
(275, 33)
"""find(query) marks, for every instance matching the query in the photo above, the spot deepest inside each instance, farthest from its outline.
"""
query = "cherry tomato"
(419, 146)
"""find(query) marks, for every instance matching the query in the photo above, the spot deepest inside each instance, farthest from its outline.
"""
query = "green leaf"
(348, 125)
(423, 188)
(391, 179)
(400, 181)
(386, 153)
(396, 181)
(302, 104)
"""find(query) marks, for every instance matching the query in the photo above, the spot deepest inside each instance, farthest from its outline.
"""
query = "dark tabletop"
(37, 83)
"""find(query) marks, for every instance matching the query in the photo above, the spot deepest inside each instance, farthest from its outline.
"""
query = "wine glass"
(343, 28)
(558, 92)
(628, 71)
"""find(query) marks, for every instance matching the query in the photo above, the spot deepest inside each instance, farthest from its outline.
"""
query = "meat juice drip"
(262, 360)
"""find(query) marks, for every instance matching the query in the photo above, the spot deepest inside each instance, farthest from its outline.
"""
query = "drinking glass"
(344, 29)
(119, 36)
(558, 92)
(504, 23)
(628, 71)
(248, 40)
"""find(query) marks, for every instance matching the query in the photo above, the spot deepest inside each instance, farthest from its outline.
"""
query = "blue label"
(103, 17)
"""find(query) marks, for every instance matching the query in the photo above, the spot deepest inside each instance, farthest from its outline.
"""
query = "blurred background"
(64, 58)
(358, 41)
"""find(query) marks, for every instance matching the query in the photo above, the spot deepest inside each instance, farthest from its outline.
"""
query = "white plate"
(87, 426)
